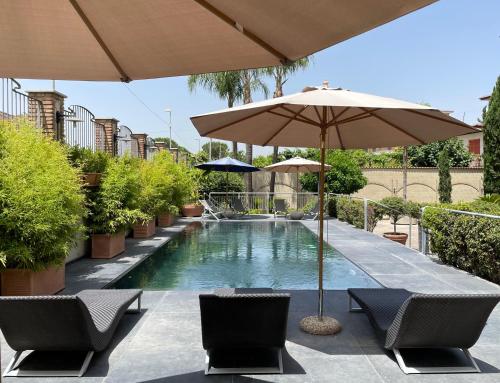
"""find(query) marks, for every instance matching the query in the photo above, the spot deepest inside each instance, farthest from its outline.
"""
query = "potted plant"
(167, 216)
(186, 191)
(113, 208)
(193, 209)
(395, 208)
(91, 164)
(41, 210)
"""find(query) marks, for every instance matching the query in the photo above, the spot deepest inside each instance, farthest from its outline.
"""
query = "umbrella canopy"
(296, 165)
(117, 40)
(228, 164)
(330, 118)
(351, 120)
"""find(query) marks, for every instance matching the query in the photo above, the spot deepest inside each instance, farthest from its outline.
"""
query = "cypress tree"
(444, 188)
(491, 143)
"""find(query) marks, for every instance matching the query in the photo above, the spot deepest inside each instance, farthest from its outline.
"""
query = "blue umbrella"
(228, 164)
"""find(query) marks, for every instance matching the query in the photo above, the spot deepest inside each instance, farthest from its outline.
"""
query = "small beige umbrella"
(296, 165)
(115, 40)
(334, 118)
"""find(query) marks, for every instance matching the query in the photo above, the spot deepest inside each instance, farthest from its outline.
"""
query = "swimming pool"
(207, 255)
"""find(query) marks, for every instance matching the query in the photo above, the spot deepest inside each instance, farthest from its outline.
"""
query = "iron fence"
(16, 104)
(125, 143)
(150, 149)
(81, 129)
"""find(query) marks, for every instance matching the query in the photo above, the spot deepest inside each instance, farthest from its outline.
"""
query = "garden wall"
(467, 184)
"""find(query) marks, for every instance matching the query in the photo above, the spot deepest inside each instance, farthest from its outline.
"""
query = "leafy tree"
(345, 176)
(428, 155)
(221, 182)
(226, 85)
(444, 188)
(281, 74)
(491, 134)
(262, 161)
(219, 149)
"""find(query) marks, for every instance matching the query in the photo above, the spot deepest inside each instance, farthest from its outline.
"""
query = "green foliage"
(219, 149)
(352, 211)
(428, 155)
(41, 204)
(262, 161)
(395, 208)
(186, 184)
(115, 206)
(470, 243)
(492, 198)
(345, 176)
(444, 187)
(491, 134)
(87, 160)
(157, 185)
(221, 182)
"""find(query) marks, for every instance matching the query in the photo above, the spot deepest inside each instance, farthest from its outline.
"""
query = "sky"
(447, 55)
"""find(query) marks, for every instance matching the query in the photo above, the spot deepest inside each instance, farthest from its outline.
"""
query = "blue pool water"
(208, 255)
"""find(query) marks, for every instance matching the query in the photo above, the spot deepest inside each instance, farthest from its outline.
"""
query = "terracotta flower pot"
(107, 245)
(92, 179)
(192, 210)
(28, 282)
(165, 220)
(144, 230)
(397, 237)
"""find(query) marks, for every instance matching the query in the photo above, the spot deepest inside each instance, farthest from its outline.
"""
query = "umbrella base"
(324, 326)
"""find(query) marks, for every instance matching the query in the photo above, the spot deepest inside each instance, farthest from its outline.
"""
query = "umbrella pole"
(321, 223)
(319, 324)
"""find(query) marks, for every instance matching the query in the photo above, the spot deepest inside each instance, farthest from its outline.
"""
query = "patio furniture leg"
(437, 370)
(353, 309)
(10, 371)
(209, 370)
(138, 310)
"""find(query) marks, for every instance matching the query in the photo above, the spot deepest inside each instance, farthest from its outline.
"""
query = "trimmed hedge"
(352, 211)
(467, 242)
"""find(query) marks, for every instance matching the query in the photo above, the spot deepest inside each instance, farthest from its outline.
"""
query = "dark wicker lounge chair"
(244, 333)
(82, 322)
(238, 207)
(403, 319)
(280, 208)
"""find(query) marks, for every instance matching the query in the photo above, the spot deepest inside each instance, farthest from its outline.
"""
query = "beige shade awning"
(352, 120)
(125, 40)
(296, 165)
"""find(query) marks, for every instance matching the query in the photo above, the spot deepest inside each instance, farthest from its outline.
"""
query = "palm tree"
(251, 82)
(281, 74)
(226, 85)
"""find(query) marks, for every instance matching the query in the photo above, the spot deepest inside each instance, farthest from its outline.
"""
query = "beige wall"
(467, 184)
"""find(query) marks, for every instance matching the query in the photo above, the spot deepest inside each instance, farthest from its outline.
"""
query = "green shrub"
(41, 203)
(87, 160)
(186, 184)
(395, 208)
(332, 207)
(115, 206)
(470, 243)
(221, 182)
(352, 211)
(157, 185)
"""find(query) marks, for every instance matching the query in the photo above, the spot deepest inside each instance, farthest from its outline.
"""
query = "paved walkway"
(163, 343)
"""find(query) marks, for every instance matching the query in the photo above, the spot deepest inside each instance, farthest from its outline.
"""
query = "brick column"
(141, 143)
(161, 145)
(52, 107)
(110, 129)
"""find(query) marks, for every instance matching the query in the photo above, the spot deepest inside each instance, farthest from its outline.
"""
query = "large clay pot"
(192, 210)
(296, 215)
(165, 220)
(397, 237)
(92, 179)
(144, 230)
(28, 282)
(107, 245)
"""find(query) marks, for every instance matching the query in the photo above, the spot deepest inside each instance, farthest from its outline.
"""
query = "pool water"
(207, 255)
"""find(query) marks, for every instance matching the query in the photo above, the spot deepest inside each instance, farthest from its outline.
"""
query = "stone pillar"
(110, 130)
(141, 143)
(161, 145)
(52, 103)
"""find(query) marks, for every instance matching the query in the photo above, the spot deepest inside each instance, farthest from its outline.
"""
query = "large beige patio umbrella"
(296, 165)
(330, 118)
(123, 40)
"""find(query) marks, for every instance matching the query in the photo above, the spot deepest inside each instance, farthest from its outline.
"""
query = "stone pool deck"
(163, 342)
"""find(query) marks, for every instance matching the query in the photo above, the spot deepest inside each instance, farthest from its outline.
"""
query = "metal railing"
(81, 129)
(16, 104)
(262, 202)
(425, 235)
